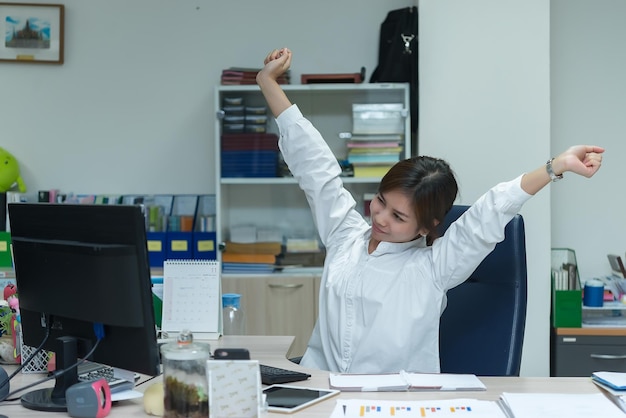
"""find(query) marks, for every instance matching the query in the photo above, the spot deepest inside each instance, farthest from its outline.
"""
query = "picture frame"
(32, 33)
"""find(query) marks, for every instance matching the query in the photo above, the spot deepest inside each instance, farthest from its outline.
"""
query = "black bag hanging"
(397, 54)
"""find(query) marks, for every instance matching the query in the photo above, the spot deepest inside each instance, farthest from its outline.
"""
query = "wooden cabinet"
(582, 351)
(278, 305)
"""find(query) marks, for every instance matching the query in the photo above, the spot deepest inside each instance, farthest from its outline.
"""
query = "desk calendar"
(192, 298)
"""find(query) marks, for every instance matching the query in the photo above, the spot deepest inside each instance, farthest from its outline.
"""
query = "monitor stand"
(53, 399)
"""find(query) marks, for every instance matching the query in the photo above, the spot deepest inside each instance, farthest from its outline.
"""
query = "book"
(229, 257)
(295, 245)
(614, 380)
(374, 137)
(374, 144)
(373, 159)
(254, 247)
(247, 268)
(405, 381)
(371, 170)
(239, 75)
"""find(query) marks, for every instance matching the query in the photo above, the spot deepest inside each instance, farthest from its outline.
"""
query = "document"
(404, 381)
(613, 384)
(614, 380)
(458, 408)
(558, 405)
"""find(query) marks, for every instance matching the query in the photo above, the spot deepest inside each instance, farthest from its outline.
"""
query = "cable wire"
(54, 375)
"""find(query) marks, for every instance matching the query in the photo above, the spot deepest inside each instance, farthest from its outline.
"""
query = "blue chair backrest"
(482, 328)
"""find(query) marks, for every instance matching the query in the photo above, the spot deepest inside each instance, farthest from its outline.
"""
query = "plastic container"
(233, 315)
(184, 377)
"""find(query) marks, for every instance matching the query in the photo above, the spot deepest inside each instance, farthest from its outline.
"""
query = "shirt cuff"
(288, 117)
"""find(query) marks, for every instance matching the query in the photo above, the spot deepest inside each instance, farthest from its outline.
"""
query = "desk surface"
(272, 351)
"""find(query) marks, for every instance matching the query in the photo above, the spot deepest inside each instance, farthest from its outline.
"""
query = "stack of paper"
(614, 385)
(558, 405)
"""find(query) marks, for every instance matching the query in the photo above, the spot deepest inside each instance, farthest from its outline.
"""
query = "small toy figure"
(10, 172)
(9, 290)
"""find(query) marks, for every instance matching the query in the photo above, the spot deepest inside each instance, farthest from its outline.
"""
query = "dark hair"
(430, 183)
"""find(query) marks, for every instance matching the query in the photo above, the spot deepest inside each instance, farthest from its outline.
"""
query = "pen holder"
(593, 294)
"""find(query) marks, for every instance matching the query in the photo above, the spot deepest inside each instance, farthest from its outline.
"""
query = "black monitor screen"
(80, 265)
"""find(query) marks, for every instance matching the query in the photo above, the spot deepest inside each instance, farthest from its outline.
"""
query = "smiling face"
(393, 218)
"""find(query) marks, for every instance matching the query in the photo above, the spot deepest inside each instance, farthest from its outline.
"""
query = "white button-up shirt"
(379, 312)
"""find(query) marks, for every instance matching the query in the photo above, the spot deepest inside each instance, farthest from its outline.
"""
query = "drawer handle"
(608, 356)
(286, 286)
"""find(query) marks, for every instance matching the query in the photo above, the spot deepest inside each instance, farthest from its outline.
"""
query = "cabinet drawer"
(583, 355)
(277, 305)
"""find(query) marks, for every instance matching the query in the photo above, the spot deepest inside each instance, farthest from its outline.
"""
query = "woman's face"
(393, 218)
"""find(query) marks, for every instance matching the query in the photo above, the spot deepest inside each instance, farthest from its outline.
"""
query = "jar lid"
(184, 348)
(231, 299)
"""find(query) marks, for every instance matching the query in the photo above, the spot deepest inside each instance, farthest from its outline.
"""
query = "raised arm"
(584, 160)
(276, 63)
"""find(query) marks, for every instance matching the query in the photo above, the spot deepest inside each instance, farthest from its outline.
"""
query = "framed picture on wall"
(33, 33)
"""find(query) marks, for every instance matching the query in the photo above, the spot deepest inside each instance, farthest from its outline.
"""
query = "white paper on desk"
(458, 408)
(368, 382)
(558, 405)
(125, 395)
(443, 381)
(404, 381)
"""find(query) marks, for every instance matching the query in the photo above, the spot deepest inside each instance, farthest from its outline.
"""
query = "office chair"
(482, 327)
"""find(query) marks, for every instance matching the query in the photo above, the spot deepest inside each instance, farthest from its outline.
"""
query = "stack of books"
(375, 143)
(242, 76)
(249, 155)
(372, 155)
(239, 118)
(253, 257)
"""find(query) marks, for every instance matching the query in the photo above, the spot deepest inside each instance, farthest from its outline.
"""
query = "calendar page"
(192, 298)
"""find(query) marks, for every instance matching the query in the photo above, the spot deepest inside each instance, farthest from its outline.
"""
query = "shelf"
(277, 203)
(322, 87)
(608, 306)
(301, 272)
(290, 180)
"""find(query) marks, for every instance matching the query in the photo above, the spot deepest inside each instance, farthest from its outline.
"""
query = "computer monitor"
(78, 268)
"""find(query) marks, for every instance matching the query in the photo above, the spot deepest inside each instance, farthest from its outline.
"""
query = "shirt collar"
(385, 247)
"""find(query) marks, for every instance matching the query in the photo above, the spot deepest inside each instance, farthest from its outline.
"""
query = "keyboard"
(88, 372)
(274, 375)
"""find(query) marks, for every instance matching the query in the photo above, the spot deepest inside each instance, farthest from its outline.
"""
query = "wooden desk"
(272, 351)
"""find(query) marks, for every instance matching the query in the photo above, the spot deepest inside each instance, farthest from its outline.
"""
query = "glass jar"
(184, 377)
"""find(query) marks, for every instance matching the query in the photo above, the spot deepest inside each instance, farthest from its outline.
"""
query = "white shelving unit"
(278, 201)
(286, 303)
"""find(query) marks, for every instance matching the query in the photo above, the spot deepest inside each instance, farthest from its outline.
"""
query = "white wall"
(131, 109)
(589, 106)
(485, 108)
